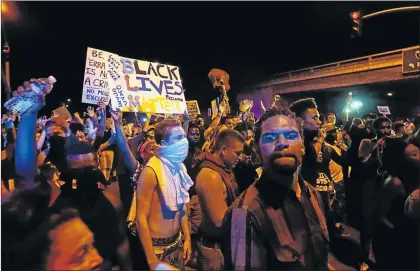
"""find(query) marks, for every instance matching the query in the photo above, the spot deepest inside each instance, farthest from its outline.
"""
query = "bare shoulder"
(147, 178)
(208, 178)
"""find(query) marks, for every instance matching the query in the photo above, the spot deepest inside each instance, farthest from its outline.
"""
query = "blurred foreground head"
(34, 238)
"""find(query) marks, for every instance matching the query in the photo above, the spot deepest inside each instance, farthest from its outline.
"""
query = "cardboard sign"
(193, 109)
(384, 110)
(95, 83)
(135, 85)
(62, 112)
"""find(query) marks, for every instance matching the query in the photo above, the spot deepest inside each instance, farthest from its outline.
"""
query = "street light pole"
(5, 75)
(358, 18)
(413, 8)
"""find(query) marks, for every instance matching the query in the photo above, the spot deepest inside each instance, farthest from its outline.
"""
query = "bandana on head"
(143, 147)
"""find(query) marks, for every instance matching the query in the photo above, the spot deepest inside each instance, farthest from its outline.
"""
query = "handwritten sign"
(138, 86)
(95, 83)
(384, 110)
(62, 112)
(193, 109)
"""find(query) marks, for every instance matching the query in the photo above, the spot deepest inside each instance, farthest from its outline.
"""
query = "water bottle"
(21, 103)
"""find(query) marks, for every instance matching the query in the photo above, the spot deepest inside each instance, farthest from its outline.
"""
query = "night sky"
(250, 40)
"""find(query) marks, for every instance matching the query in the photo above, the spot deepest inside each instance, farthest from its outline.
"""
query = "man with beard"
(339, 173)
(195, 143)
(315, 163)
(368, 147)
(278, 222)
(216, 189)
(331, 118)
(194, 140)
(246, 170)
(162, 195)
(369, 154)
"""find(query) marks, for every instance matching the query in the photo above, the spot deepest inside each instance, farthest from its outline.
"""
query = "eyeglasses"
(384, 127)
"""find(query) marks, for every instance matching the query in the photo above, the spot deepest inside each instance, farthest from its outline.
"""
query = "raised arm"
(41, 139)
(186, 121)
(26, 153)
(102, 118)
(215, 122)
(147, 123)
(77, 117)
(130, 161)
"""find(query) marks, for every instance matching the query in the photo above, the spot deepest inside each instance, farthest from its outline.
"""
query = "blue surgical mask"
(175, 153)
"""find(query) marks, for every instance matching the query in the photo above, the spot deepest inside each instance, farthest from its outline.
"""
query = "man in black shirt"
(315, 164)
(278, 222)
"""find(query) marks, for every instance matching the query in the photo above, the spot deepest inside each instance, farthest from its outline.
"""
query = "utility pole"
(5, 75)
(357, 17)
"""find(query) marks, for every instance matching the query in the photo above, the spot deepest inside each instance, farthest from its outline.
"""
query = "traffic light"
(357, 23)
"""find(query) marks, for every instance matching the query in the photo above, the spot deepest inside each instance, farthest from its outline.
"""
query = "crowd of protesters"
(273, 193)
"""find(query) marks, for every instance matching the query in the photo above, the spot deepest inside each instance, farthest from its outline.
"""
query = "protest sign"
(142, 86)
(95, 83)
(62, 112)
(384, 110)
(193, 109)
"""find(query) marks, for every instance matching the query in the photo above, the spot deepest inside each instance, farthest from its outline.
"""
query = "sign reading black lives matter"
(132, 85)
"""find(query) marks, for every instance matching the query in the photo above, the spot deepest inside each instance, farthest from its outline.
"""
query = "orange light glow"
(10, 11)
(4, 8)
(355, 15)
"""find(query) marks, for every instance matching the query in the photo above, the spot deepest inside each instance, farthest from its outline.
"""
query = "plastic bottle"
(20, 103)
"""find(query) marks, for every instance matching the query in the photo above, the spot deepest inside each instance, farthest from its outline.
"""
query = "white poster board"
(95, 83)
(135, 85)
(384, 110)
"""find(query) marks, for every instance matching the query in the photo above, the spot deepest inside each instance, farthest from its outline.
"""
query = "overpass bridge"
(398, 68)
